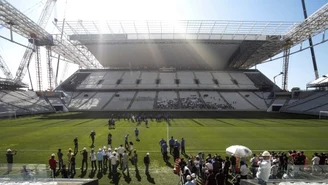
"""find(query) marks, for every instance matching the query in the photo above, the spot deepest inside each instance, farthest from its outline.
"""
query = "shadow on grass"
(83, 173)
(248, 121)
(138, 175)
(127, 178)
(92, 174)
(116, 178)
(80, 123)
(225, 122)
(198, 123)
(150, 179)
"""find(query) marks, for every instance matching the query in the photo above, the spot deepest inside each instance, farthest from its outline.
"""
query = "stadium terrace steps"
(86, 101)
(237, 101)
(120, 101)
(80, 99)
(313, 102)
(144, 100)
(109, 100)
(134, 97)
(244, 96)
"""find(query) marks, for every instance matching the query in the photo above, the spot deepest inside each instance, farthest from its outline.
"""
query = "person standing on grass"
(100, 158)
(10, 159)
(135, 160)
(164, 152)
(92, 136)
(183, 151)
(60, 159)
(171, 143)
(147, 163)
(125, 162)
(76, 145)
(146, 122)
(73, 171)
(136, 132)
(84, 154)
(161, 142)
(105, 157)
(69, 155)
(93, 158)
(109, 140)
(114, 163)
(263, 172)
(53, 165)
(126, 141)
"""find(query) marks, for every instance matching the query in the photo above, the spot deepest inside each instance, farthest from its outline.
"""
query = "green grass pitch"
(35, 138)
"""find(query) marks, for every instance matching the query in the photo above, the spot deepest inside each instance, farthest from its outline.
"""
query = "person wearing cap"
(84, 154)
(263, 172)
(76, 145)
(114, 162)
(53, 165)
(73, 171)
(105, 157)
(10, 158)
(147, 163)
(100, 158)
(92, 136)
(60, 159)
(125, 162)
(93, 158)
(69, 155)
(193, 179)
(188, 178)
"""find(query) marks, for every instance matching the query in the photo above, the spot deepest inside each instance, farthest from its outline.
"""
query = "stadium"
(192, 80)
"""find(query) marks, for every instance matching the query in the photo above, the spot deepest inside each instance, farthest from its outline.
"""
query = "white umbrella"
(239, 151)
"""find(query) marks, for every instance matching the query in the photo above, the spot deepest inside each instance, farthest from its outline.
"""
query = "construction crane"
(285, 64)
(42, 22)
(4, 68)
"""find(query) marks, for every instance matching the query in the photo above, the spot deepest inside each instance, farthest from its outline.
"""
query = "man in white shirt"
(243, 170)
(93, 158)
(263, 172)
(315, 162)
(120, 152)
(114, 161)
(125, 162)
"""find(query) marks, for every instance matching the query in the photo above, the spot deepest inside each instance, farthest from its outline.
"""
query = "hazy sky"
(301, 68)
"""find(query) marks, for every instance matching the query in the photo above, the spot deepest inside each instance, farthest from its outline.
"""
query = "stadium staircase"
(155, 100)
(248, 101)
(179, 100)
(202, 100)
(134, 97)
(225, 101)
(110, 99)
(87, 100)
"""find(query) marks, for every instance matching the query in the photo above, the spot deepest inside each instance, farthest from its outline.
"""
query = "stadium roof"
(181, 44)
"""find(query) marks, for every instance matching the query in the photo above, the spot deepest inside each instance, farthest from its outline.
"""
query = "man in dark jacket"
(10, 159)
(147, 163)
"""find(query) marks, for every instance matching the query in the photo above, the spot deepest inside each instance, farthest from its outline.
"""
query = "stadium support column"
(285, 65)
(314, 61)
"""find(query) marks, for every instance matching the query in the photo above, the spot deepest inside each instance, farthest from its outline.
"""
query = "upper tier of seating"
(124, 79)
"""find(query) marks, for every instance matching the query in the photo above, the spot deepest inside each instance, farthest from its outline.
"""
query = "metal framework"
(42, 22)
(38, 69)
(183, 29)
(19, 23)
(285, 66)
(49, 69)
(4, 68)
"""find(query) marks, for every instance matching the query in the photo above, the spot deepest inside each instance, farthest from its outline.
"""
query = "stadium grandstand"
(166, 70)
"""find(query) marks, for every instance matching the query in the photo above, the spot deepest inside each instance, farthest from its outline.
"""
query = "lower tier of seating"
(166, 100)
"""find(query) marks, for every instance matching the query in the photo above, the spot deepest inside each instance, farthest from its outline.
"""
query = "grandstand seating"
(205, 79)
(191, 100)
(120, 101)
(144, 101)
(80, 99)
(110, 80)
(97, 101)
(148, 80)
(186, 79)
(213, 100)
(23, 102)
(237, 101)
(167, 100)
(129, 79)
(255, 100)
(167, 80)
(310, 104)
